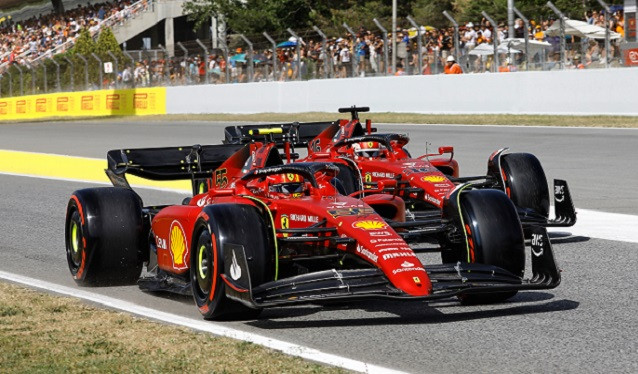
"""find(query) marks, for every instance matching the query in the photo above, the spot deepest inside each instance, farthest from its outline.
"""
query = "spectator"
(451, 67)
(400, 70)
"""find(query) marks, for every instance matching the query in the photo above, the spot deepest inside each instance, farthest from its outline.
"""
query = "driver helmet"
(288, 184)
(367, 149)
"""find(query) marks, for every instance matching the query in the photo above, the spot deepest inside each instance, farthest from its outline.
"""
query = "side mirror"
(446, 149)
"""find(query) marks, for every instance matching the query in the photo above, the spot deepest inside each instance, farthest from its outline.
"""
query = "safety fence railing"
(312, 54)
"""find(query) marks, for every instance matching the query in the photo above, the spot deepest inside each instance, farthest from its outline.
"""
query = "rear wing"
(295, 133)
(168, 163)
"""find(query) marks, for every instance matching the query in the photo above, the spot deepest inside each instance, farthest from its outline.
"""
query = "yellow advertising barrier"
(124, 102)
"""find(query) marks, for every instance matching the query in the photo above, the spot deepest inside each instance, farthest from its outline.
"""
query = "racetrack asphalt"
(588, 324)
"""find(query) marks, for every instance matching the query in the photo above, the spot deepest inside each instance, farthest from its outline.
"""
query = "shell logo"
(434, 178)
(370, 225)
(177, 245)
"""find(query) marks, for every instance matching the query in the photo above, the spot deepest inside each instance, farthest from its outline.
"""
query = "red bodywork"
(423, 172)
(375, 242)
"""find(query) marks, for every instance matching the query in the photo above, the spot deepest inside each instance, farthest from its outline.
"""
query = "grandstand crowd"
(346, 55)
(25, 41)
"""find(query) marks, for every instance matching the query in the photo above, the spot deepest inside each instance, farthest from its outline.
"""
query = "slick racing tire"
(104, 236)
(494, 237)
(347, 181)
(238, 224)
(525, 182)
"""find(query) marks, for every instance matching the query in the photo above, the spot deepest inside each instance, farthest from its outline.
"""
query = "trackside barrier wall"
(137, 101)
(578, 92)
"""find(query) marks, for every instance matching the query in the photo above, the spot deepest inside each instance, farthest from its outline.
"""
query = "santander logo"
(633, 57)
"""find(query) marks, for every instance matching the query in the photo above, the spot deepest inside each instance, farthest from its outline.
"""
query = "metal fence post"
(10, 83)
(187, 72)
(97, 58)
(251, 71)
(274, 55)
(33, 72)
(457, 53)
(494, 40)
(224, 48)
(21, 83)
(607, 12)
(384, 32)
(167, 72)
(149, 58)
(526, 23)
(57, 74)
(418, 42)
(226, 59)
(206, 58)
(324, 51)
(44, 77)
(298, 52)
(86, 70)
(128, 55)
(562, 33)
(71, 70)
(354, 54)
(116, 71)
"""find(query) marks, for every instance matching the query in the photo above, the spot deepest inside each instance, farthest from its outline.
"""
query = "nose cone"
(434, 184)
(380, 245)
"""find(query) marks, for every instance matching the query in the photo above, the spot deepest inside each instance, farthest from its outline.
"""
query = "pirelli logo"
(113, 102)
(41, 105)
(87, 103)
(21, 106)
(140, 101)
(4, 107)
(62, 104)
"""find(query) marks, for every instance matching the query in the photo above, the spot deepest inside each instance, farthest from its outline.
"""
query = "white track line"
(201, 325)
(603, 225)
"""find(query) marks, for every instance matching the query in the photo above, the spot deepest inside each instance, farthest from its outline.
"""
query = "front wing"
(448, 280)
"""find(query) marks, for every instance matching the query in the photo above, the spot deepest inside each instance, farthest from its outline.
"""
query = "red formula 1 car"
(267, 233)
(380, 163)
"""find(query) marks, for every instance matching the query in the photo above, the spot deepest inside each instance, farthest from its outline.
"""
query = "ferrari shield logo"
(285, 222)
(368, 177)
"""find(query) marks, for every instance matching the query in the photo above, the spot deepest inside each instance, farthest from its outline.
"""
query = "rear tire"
(229, 223)
(104, 236)
(495, 237)
(525, 182)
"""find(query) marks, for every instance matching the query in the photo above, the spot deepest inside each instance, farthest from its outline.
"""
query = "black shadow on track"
(416, 313)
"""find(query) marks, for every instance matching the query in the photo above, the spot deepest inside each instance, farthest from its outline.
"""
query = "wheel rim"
(204, 265)
(75, 240)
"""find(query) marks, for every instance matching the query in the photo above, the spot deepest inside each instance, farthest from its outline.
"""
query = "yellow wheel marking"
(201, 261)
(75, 241)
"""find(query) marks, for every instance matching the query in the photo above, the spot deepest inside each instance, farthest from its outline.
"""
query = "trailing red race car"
(380, 163)
(268, 233)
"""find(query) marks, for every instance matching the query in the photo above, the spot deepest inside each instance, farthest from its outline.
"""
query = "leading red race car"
(268, 233)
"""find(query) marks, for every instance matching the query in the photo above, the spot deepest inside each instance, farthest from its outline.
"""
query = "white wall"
(585, 92)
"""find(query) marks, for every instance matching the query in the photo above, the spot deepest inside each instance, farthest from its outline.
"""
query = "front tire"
(234, 224)
(525, 182)
(494, 237)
